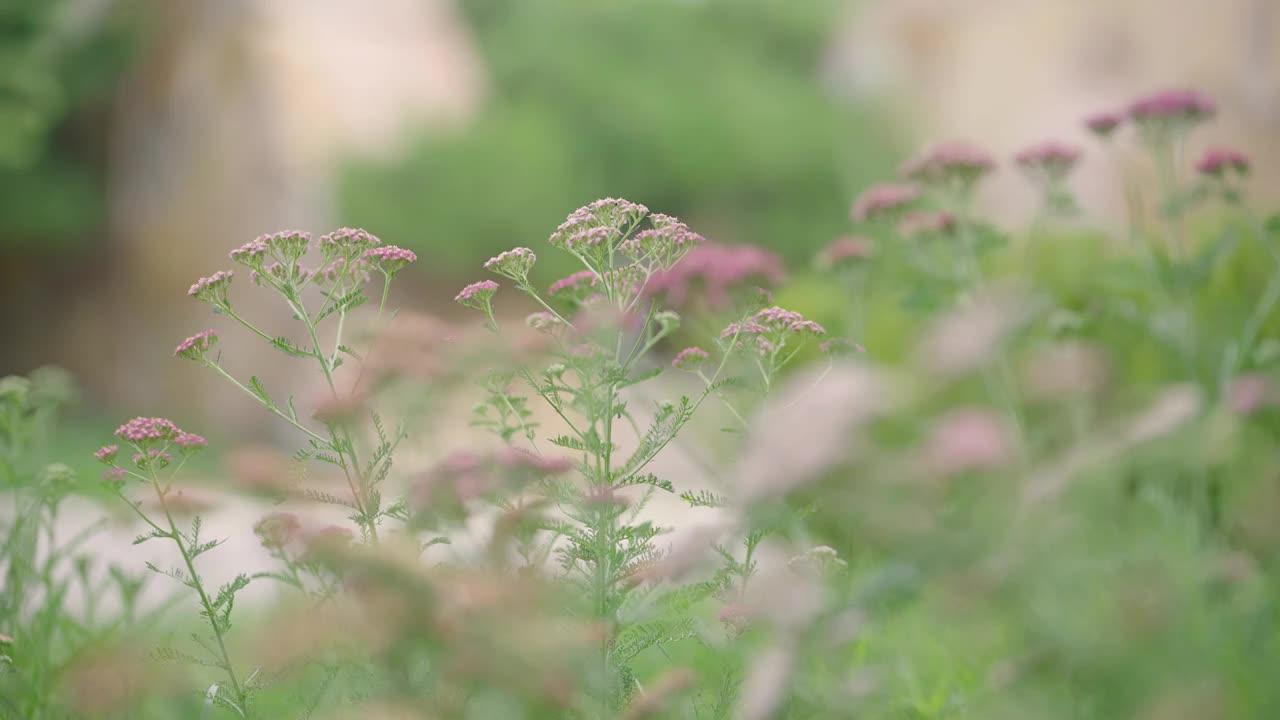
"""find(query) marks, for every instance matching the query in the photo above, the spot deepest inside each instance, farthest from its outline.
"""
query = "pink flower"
(212, 288)
(886, 199)
(1103, 124)
(189, 441)
(1249, 393)
(1052, 159)
(389, 258)
(277, 530)
(771, 328)
(349, 242)
(969, 439)
(115, 475)
(477, 294)
(928, 222)
(196, 346)
(146, 429)
(1172, 106)
(107, 453)
(598, 223)
(515, 263)
(844, 250)
(690, 358)
(250, 254)
(1218, 161)
(575, 284)
(716, 270)
(292, 244)
(665, 241)
(949, 162)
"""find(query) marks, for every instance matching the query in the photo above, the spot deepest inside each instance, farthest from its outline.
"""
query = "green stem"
(210, 613)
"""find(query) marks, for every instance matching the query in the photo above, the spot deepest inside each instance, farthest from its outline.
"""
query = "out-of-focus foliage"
(58, 62)
(713, 110)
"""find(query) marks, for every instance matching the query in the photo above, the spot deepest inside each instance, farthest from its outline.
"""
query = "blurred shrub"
(713, 111)
(58, 60)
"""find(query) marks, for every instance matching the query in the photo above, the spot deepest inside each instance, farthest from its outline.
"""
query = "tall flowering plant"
(601, 323)
(319, 294)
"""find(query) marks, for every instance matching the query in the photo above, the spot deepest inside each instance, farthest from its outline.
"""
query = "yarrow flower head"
(196, 346)
(190, 443)
(927, 223)
(1219, 162)
(107, 453)
(389, 258)
(690, 359)
(1103, 124)
(1176, 105)
(288, 245)
(252, 254)
(577, 285)
(277, 530)
(347, 242)
(477, 295)
(1052, 160)
(602, 222)
(662, 245)
(143, 430)
(954, 163)
(845, 251)
(884, 200)
(515, 264)
(115, 476)
(771, 328)
(1171, 113)
(212, 289)
(716, 270)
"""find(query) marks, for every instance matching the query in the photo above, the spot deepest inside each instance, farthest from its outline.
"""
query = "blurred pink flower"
(886, 199)
(969, 439)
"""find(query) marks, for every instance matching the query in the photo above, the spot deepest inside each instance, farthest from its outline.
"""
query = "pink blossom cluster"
(251, 253)
(1104, 123)
(389, 258)
(716, 270)
(949, 162)
(576, 284)
(1218, 161)
(845, 249)
(106, 453)
(147, 429)
(1052, 158)
(927, 222)
(600, 222)
(666, 240)
(212, 288)
(291, 244)
(196, 346)
(477, 293)
(278, 530)
(347, 241)
(771, 329)
(690, 358)
(515, 263)
(189, 441)
(885, 199)
(1172, 105)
